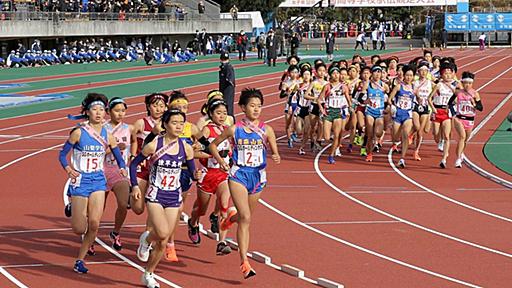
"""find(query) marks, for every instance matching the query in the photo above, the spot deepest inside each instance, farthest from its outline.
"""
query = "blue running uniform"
(404, 101)
(377, 99)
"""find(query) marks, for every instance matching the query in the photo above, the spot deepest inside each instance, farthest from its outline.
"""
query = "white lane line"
(483, 189)
(64, 229)
(478, 246)
(352, 222)
(12, 278)
(58, 264)
(336, 171)
(388, 192)
(366, 250)
(474, 166)
(291, 186)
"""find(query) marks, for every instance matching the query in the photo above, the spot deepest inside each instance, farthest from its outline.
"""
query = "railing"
(94, 16)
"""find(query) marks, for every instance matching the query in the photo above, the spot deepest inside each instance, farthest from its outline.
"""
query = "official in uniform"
(227, 81)
(271, 48)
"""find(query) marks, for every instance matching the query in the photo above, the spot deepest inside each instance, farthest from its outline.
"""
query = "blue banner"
(456, 22)
(482, 22)
(479, 22)
(503, 21)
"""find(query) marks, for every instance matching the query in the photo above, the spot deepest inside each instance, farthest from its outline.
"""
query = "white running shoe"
(440, 146)
(144, 247)
(338, 152)
(443, 164)
(148, 280)
(401, 163)
(458, 163)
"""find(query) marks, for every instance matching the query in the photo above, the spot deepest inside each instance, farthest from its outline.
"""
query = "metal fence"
(86, 16)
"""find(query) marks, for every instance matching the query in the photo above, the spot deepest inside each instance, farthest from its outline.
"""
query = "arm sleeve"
(119, 158)
(205, 143)
(191, 166)
(63, 153)
(133, 168)
(452, 99)
(479, 106)
(149, 138)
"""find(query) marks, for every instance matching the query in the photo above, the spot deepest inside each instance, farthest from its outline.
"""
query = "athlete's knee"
(93, 225)
(244, 218)
(79, 229)
(162, 233)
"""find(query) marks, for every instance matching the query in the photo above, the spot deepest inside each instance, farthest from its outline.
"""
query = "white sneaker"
(148, 280)
(443, 164)
(338, 152)
(458, 163)
(440, 146)
(144, 247)
(401, 163)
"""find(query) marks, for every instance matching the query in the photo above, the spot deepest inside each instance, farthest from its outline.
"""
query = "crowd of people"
(347, 104)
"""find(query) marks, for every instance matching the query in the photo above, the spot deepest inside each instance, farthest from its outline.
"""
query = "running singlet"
(249, 149)
(404, 98)
(376, 96)
(166, 170)
(222, 147)
(422, 90)
(89, 153)
(149, 123)
(318, 85)
(464, 104)
(336, 97)
(303, 102)
(122, 134)
(444, 93)
(186, 135)
(293, 98)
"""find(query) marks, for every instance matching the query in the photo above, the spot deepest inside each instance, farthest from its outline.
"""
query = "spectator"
(203, 39)
(360, 40)
(329, 45)
(481, 39)
(234, 13)
(382, 40)
(375, 38)
(227, 81)
(200, 7)
(260, 45)
(271, 46)
(175, 46)
(241, 42)
(295, 43)
(444, 38)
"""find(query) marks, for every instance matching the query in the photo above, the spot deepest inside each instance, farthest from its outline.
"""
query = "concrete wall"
(35, 28)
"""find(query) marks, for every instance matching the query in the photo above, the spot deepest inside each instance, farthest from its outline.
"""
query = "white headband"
(467, 80)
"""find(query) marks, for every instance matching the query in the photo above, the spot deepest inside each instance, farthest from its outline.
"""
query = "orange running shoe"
(226, 223)
(411, 139)
(417, 156)
(170, 253)
(247, 270)
(369, 157)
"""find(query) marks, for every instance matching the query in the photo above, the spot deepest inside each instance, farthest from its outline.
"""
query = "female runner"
(421, 113)
(377, 96)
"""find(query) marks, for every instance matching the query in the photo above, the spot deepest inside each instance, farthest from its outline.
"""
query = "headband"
(157, 97)
(467, 80)
(115, 102)
(94, 103)
(179, 101)
(424, 67)
(213, 94)
(376, 68)
(334, 68)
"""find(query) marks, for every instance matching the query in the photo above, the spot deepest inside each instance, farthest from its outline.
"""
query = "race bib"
(91, 161)
(167, 179)
(250, 155)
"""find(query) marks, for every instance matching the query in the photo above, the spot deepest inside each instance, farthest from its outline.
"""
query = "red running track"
(403, 255)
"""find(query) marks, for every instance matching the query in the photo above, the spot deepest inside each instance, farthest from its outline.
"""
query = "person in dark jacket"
(227, 81)
(295, 43)
(271, 48)
(329, 45)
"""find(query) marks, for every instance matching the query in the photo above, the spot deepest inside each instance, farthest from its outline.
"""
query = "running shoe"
(247, 270)
(91, 251)
(312, 146)
(442, 164)
(148, 280)
(295, 138)
(318, 146)
(369, 157)
(116, 241)
(337, 153)
(170, 253)
(363, 151)
(302, 152)
(401, 163)
(144, 247)
(214, 221)
(394, 149)
(290, 143)
(358, 140)
(226, 223)
(193, 233)
(440, 146)
(223, 248)
(80, 267)
(417, 156)
(458, 163)
(376, 148)
(411, 139)
(67, 210)
(331, 160)
(350, 148)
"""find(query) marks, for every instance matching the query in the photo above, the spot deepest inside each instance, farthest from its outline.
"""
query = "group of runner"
(323, 101)
(368, 99)
(160, 150)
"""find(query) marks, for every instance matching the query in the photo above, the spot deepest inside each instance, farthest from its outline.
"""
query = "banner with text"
(480, 22)
(368, 3)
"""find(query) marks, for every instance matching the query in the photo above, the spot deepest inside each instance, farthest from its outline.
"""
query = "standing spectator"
(360, 40)
(234, 13)
(295, 43)
(481, 39)
(203, 39)
(36, 46)
(329, 45)
(260, 45)
(227, 81)
(241, 42)
(200, 7)
(271, 46)
(444, 38)
(375, 38)
(382, 40)
(175, 46)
